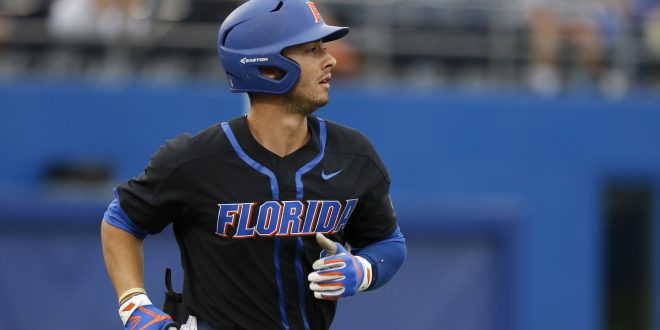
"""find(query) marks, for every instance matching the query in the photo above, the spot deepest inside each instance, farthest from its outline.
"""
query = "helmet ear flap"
(249, 76)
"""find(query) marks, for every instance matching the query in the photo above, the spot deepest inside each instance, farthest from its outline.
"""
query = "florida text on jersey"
(245, 218)
(285, 218)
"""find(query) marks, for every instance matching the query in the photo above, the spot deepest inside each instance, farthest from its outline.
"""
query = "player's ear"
(272, 73)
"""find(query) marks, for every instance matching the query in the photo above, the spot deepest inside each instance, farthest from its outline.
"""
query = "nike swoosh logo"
(329, 176)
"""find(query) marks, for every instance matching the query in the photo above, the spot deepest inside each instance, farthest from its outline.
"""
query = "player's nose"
(329, 61)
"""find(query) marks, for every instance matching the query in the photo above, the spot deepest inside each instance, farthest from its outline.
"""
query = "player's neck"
(280, 132)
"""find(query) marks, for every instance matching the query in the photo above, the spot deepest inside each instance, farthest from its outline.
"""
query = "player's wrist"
(129, 306)
(130, 293)
(138, 312)
(367, 273)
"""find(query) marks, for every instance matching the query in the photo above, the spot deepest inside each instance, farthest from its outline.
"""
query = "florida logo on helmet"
(315, 12)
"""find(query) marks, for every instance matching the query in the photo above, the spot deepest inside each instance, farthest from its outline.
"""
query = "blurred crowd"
(546, 46)
(607, 40)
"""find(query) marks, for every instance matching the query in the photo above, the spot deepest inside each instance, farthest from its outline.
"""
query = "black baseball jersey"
(245, 218)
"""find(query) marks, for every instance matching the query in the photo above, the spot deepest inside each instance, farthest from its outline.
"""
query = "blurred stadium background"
(522, 137)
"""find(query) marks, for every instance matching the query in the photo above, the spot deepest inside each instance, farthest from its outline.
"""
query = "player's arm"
(123, 252)
(143, 205)
(342, 273)
(385, 256)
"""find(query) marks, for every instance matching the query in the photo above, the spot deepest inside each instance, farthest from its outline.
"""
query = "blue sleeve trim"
(116, 217)
(386, 256)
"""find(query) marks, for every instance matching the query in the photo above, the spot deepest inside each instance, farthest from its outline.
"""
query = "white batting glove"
(339, 274)
(139, 313)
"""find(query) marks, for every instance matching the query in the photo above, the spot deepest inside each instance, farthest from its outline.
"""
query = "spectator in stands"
(4, 30)
(647, 13)
(580, 25)
(107, 20)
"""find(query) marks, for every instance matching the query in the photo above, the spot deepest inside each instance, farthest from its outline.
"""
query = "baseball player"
(278, 213)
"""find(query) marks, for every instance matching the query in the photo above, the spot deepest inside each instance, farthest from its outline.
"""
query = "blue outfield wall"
(500, 197)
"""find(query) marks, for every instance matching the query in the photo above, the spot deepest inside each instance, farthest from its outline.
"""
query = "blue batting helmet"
(254, 35)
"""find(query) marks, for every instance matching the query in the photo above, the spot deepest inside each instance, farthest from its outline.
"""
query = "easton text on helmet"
(254, 59)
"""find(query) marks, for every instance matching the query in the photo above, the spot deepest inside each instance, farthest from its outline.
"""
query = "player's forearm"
(386, 256)
(124, 258)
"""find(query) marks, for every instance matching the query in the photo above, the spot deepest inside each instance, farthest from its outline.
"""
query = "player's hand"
(138, 313)
(338, 273)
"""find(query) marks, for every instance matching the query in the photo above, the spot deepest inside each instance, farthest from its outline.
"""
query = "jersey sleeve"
(374, 217)
(154, 199)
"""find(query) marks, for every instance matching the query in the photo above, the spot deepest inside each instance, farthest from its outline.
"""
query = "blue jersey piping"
(274, 187)
(299, 242)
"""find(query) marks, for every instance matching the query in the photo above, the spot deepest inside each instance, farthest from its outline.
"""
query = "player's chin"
(322, 101)
(317, 102)
(322, 98)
